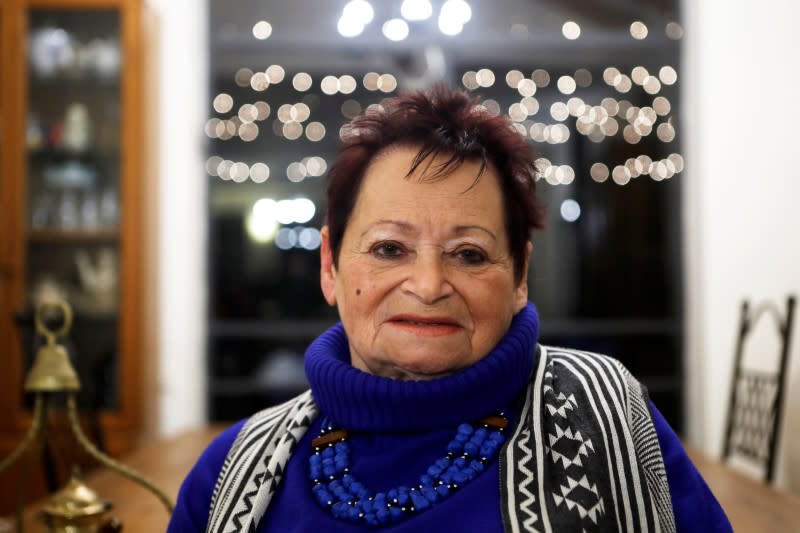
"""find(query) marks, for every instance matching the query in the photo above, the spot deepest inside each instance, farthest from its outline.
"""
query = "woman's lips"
(425, 326)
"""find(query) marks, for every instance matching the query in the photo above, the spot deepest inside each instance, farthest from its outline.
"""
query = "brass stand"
(73, 506)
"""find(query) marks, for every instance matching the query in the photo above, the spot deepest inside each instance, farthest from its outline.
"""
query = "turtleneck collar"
(360, 401)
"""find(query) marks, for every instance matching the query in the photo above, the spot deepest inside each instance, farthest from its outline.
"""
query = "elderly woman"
(432, 406)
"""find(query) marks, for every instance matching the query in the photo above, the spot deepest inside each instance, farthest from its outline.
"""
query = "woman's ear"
(327, 270)
(521, 292)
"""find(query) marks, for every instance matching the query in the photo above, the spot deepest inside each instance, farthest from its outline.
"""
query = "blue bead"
(395, 513)
(391, 494)
(443, 490)
(402, 498)
(434, 470)
(455, 446)
(444, 462)
(461, 462)
(371, 519)
(352, 513)
(315, 460)
(465, 429)
(460, 477)
(327, 453)
(480, 433)
(430, 494)
(382, 515)
(419, 501)
(379, 500)
(339, 509)
(476, 466)
(426, 480)
(471, 448)
(367, 506)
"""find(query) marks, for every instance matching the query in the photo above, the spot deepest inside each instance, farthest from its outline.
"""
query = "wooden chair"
(756, 398)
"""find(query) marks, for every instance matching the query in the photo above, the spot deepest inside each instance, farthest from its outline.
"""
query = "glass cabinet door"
(72, 140)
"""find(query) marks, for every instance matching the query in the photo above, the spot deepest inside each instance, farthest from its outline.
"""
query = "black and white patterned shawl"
(584, 456)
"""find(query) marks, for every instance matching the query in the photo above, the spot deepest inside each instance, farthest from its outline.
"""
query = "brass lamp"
(75, 508)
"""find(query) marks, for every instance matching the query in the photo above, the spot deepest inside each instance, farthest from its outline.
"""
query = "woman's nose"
(428, 280)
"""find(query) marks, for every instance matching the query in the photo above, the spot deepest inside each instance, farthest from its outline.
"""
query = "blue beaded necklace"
(335, 489)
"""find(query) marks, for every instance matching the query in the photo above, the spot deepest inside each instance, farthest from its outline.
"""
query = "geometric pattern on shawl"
(586, 453)
(255, 464)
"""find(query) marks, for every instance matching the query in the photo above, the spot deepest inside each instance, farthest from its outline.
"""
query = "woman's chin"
(418, 367)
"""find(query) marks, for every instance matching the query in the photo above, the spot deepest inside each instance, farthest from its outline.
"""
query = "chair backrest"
(756, 396)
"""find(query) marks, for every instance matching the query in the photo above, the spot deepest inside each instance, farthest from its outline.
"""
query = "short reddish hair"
(447, 122)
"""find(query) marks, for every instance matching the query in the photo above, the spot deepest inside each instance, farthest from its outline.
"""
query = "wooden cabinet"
(71, 206)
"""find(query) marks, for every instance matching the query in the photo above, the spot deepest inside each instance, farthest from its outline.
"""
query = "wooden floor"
(751, 506)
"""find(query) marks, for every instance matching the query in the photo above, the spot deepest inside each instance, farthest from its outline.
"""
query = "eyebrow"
(408, 227)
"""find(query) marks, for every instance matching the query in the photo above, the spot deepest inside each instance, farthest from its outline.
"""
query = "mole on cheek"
(358, 291)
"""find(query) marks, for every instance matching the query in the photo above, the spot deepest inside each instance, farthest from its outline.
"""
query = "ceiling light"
(395, 29)
(416, 9)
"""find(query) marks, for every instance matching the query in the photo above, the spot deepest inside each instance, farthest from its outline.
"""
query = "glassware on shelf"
(67, 212)
(109, 206)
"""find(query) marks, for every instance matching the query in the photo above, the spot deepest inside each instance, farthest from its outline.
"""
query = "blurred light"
(224, 169)
(349, 27)
(286, 239)
(292, 130)
(576, 106)
(299, 112)
(259, 172)
(212, 165)
(638, 74)
(630, 135)
(315, 131)
(387, 83)
(638, 30)
(583, 77)
(296, 172)
(537, 132)
(599, 172)
(248, 131)
(492, 107)
(541, 78)
(260, 222)
(370, 81)
(667, 75)
(395, 29)
(677, 161)
(262, 30)
(211, 127)
(329, 85)
(309, 238)
(513, 77)
(610, 75)
(470, 80)
(517, 112)
(262, 110)
(449, 26)
(531, 105)
(259, 81)
(661, 106)
(223, 103)
(239, 172)
(457, 10)
(304, 210)
(566, 84)
(621, 175)
(242, 77)
(347, 84)
(301, 81)
(485, 77)
(565, 175)
(350, 108)
(416, 9)
(665, 132)
(570, 210)
(674, 30)
(316, 166)
(275, 73)
(526, 87)
(559, 111)
(610, 105)
(623, 83)
(247, 113)
(359, 10)
(651, 85)
(571, 30)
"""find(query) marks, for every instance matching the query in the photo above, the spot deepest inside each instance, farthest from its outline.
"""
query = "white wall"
(741, 126)
(181, 91)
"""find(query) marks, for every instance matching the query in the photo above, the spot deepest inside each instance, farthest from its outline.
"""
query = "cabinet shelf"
(76, 236)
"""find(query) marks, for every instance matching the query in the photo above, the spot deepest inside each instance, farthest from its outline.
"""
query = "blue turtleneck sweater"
(396, 429)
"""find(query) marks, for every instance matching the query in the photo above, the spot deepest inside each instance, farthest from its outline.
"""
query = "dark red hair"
(444, 122)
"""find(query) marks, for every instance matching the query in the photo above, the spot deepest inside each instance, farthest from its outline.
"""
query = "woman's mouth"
(425, 326)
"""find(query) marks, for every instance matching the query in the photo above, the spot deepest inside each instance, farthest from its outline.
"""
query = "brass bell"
(52, 370)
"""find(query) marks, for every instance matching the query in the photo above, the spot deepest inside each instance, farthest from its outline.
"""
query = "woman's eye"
(470, 256)
(387, 250)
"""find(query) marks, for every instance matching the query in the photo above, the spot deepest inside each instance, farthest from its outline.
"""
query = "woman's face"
(425, 281)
